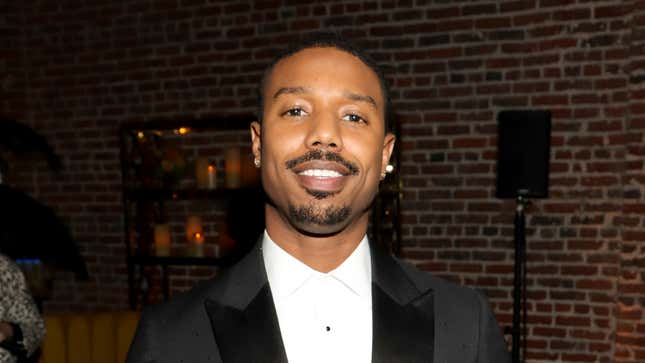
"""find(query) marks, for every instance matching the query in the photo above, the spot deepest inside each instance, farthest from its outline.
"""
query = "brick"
(611, 11)
(445, 52)
(579, 270)
(576, 14)
(445, 12)
(382, 31)
(594, 285)
(398, 43)
(469, 142)
(452, 25)
(479, 9)
(572, 321)
(493, 23)
(465, 268)
(503, 63)
(493, 89)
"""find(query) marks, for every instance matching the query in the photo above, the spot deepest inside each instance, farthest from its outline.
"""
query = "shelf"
(142, 204)
(178, 260)
(221, 123)
(184, 194)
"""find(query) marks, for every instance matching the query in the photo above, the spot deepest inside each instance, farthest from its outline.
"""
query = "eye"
(294, 112)
(354, 118)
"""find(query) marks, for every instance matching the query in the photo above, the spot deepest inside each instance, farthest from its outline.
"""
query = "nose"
(324, 133)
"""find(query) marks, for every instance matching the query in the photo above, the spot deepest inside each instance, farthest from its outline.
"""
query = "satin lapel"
(402, 315)
(248, 335)
(243, 317)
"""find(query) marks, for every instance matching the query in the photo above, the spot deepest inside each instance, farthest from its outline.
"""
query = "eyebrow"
(361, 98)
(349, 95)
(290, 90)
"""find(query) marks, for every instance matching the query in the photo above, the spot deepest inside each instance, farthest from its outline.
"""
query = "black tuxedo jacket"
(416, 318)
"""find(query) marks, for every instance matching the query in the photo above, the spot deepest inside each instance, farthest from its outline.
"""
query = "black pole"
(518, 276)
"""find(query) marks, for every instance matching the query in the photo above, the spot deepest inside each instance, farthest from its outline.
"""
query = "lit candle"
(162, 240)
(202, 172)
(232, 167)
(198, 245)
(212, 177)
(198, 238)
(193, 226)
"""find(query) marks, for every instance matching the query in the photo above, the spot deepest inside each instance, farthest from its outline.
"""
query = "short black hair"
(328, 40)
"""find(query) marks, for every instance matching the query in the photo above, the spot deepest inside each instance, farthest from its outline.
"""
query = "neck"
(322, 253)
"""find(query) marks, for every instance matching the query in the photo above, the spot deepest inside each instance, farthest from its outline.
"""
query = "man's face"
(322, 143)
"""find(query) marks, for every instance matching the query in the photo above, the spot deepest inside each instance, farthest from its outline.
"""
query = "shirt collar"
(286, 273)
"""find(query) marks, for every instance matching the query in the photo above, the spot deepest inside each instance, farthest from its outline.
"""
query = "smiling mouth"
(325, 179)
(321, 182)
(321, 179)
(321, 173)
(322, 159)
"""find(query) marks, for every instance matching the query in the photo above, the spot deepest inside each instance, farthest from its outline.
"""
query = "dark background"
(75, 70)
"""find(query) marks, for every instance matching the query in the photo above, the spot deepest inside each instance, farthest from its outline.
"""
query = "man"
(313, 290)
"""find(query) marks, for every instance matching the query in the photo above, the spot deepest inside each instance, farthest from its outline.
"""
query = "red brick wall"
(12, 88)
(453, 65)
(630, 328)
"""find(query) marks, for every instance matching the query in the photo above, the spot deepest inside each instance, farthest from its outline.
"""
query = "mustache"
(319, 155)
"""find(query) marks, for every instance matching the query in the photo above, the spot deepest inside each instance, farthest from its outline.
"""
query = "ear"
(256, 140)
(388, 147)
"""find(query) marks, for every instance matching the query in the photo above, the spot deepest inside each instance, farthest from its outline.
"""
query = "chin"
(315, 230)
(318, 220)
(321, 216)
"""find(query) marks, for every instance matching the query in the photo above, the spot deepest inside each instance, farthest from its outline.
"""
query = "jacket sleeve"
(18, 307)
(492, 346)
(142, 349)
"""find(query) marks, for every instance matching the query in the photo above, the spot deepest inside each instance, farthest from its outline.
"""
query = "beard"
(312, 214)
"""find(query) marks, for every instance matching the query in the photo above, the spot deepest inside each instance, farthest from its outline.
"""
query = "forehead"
(327, 67)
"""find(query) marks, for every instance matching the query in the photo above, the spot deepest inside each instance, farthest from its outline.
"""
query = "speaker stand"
(519, 281)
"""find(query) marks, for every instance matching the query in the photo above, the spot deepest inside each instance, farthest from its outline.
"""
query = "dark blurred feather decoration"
(28, 228)
(22, 141)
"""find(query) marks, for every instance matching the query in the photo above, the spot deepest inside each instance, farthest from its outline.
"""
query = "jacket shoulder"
(184, 304)
(465, 326)
(457, 308)
(443, 289)
(169, 330)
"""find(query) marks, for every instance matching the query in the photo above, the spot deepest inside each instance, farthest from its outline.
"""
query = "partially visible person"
(21, 326)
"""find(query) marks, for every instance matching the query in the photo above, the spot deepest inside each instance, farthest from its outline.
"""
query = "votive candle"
(212, 176)
(162, 240)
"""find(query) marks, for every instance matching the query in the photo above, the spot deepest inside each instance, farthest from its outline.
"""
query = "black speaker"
(523, 150)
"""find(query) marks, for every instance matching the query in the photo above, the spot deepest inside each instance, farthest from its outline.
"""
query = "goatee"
(312, 214)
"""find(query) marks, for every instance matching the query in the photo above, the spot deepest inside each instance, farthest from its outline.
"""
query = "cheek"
(367, 151)
(278, 143)
(278, 147)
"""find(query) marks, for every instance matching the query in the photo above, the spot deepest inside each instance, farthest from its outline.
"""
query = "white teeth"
(320, 173)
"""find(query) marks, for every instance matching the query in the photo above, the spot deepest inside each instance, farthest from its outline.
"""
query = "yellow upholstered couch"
(88, 338)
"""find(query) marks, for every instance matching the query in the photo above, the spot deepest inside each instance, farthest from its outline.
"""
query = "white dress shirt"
(323, 317)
